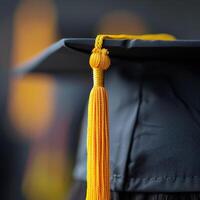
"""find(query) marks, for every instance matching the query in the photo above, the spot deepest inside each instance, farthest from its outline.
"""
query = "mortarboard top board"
(71, 55)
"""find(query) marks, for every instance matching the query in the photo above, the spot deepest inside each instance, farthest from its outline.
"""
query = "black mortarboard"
(72, 54)
(154, 111)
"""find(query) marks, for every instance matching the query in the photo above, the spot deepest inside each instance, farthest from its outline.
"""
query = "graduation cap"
(73, 55)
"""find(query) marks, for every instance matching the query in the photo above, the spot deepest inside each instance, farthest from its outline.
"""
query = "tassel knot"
(99, 59)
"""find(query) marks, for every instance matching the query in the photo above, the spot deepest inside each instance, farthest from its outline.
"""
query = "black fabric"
(78, 191)
(154, 128)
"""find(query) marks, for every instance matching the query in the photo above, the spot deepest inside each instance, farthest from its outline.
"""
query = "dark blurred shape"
(12, 150)
(7, 9)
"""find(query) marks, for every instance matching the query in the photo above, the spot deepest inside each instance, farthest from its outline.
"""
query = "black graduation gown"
(154, 114)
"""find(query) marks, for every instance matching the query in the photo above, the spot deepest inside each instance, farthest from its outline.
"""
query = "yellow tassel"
(98, 161)
(98, 167)
(98, 144)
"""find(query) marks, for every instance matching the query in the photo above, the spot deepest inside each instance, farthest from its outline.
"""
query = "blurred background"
(40, 114)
